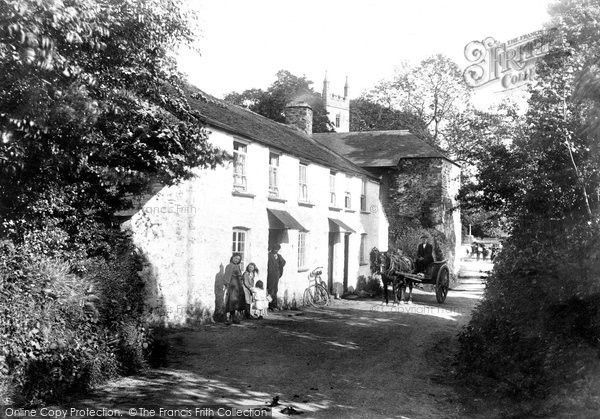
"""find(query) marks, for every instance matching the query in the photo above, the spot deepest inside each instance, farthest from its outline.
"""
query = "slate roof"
(289, 140)
(378, 148)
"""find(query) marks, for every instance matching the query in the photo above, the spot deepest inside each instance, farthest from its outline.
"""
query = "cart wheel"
(442, 283)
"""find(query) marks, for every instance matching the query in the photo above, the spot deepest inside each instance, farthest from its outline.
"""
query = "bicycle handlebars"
(317, 271)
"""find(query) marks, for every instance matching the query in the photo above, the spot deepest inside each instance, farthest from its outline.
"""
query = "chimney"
(300, 115)
(346, 89)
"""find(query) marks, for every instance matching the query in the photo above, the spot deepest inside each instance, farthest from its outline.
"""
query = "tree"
(470, 133)
(552, 162)
(92, 108)
(271, 103)
(434, 91)
(541, 183)
(370, 116)
(475, 137)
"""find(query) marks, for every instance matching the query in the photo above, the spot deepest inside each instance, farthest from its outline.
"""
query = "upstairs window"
(348, 195)
(302, 185)
(363, 196)
(332, 198)
(239, 166)
(274, 175)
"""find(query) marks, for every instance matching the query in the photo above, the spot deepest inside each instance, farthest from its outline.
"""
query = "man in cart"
(424, 255)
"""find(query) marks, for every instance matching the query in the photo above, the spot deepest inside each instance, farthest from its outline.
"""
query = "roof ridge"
(369, 132)
(353, 167)
(435, 148)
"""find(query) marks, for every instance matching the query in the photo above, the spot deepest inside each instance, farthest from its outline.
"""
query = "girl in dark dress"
(234, 301)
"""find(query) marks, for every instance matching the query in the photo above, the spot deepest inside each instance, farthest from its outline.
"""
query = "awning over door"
(337, 226)
(279, 220)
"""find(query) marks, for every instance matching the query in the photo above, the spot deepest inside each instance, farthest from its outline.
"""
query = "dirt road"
(356, 358)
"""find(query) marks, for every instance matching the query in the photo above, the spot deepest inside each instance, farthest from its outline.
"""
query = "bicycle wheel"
(321, 296)
(308, 296)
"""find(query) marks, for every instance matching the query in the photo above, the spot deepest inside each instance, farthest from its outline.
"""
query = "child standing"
(261, 300)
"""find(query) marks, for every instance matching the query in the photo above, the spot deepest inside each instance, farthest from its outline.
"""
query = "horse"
(390, 265)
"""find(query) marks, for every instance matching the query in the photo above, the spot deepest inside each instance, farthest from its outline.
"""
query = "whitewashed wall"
(185, 231)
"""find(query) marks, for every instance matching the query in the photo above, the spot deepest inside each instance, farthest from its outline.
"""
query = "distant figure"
(275, 266)
(234, 297)
(248, 283)
(261, 301)
(473, 249)
(485, 251)
(424, 255)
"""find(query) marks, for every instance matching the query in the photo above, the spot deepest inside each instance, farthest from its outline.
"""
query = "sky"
(243, 43)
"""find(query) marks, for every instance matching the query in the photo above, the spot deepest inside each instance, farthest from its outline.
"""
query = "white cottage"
(282, 187)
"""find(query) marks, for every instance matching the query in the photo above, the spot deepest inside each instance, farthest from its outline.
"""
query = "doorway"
(330, 259)
(346, 248)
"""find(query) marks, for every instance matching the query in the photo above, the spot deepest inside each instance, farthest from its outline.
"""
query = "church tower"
(337, 106)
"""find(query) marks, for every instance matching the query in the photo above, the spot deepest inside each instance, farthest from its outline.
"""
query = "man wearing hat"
(275, 266)
(424, 254)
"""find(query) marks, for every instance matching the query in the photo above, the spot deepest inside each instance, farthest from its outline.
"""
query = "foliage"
(370, 285)
(271, 103)
(483, 223)
(433, 91)
(471, 132)
(539, 324)
(63, 332)
(406, 236)
(92, 112)
(534, 175)
(548, 332)
(370, 116)
(92, 109)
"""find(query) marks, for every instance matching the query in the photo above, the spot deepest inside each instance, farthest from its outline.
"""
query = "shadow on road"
(353, 359)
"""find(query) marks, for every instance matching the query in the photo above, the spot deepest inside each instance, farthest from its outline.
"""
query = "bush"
(539, 324)
(369, 285)
(67, 327)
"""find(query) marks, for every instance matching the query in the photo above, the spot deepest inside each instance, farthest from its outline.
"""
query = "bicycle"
(316, 294)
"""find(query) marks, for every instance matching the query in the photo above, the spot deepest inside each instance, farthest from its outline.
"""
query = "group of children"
(243, 293)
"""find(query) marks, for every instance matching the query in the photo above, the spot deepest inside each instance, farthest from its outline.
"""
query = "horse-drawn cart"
(398, 270)
(437, 275)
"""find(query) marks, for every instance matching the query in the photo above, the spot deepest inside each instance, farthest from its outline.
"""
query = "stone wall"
(422, 192)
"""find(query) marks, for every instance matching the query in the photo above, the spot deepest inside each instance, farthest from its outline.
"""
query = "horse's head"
(384, 262)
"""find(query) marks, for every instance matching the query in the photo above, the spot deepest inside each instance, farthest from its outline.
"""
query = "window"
(332, 199)
(273, 175)
(239, 166)
(302, 185)
(363, 247)
(302, 236)
(363, 196)
(347, 195)
(337, 120)
(239, 243)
